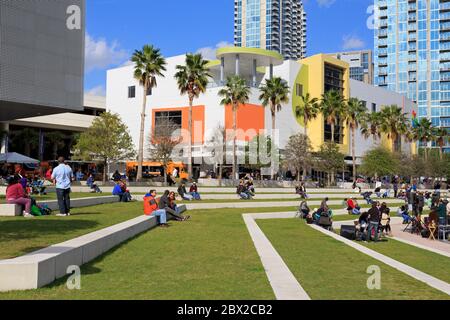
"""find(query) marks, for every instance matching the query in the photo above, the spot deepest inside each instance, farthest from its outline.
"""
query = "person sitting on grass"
(37, 186)
(377, 191)
(168, 204)
(250, 188)
(301, 190)
(15, 194)
(403, 212)
(151, 208)
(90, 182)
(193, 190)
(183, 193)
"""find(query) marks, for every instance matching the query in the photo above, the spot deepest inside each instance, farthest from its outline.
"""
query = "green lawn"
(19, 235)
(431, 263)
(329, 269)
(209, 257)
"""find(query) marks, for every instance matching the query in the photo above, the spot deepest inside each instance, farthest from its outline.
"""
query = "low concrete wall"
(42, 267)
(10, 210)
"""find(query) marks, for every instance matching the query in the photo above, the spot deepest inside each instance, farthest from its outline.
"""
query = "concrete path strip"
(283, 282)
(416, 274)
(428, 248)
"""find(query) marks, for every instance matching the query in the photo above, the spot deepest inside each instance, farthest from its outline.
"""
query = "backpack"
(35, 211)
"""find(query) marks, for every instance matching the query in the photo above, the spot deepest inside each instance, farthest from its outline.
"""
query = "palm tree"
(308, 109)
(235, 93)
(440, 135)
(393, 122)
(424, 133)
(192, 79)
(273, 93)
(149, 63)
(56, 140)
(355, 112)
(370, 125)
(332, 106)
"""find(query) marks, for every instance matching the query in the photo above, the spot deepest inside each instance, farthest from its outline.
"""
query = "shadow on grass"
(29, 229)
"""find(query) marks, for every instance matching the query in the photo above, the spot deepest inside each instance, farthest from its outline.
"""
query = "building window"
(298, 89)
(131, 92)
(374, 107)
(167, 118)
(334, 79)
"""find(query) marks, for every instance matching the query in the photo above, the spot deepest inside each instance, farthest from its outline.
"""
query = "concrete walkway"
(283, 282)
(412, 272)
(264, 204)
(436, 246)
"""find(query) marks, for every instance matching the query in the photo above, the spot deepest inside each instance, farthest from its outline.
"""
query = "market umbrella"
(13, 157)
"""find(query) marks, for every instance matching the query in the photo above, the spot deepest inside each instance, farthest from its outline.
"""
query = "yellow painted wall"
(314, 84)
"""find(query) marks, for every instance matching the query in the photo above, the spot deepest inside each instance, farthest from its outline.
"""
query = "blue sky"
(115, 28)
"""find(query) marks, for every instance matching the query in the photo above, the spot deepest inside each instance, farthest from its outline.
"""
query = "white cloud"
(325, 3)
(352, 42)
(209, 53)
(97, 91)
(100, 54)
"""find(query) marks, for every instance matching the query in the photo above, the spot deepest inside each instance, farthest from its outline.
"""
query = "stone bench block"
(10, 210)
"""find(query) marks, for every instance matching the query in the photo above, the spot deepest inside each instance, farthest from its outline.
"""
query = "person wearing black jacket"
(164, 203)
(374, 221)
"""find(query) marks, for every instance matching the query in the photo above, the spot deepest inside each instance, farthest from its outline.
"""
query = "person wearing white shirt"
(62, 177)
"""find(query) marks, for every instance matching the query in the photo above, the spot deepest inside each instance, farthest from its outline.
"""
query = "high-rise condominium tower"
(412, 54)
(278, 25)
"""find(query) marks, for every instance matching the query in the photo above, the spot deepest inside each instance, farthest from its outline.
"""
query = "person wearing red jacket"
(15, 194)
(151, 208)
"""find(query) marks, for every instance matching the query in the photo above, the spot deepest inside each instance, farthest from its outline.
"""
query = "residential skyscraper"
(412, 54)
(278, 25)
(361, 64)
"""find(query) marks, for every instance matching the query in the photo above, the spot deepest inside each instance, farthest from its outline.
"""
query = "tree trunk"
(141, 135)
(105, 163)
(332, 132)
(55, 151)
(441, 153)
(165, 174)
(235, 174)
(189, 158)
(353, 154)
(220, 175)
(272, 146)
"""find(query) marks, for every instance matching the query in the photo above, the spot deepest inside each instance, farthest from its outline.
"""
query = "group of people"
(121, 190)
(193, 193)
(322, 216)
(374, 222)
(245, 190)
(301, 190)
(162, 207)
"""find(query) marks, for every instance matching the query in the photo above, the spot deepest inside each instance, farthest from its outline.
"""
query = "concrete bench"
(11, 210)
(42, 267)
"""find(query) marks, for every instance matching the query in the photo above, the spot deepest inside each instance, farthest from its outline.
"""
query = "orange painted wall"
(198, 115)
(249, 116)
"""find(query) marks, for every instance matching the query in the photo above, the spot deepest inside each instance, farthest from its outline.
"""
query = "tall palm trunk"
(441, 151)
(105, 164)
(234, 141)
(332, 140)
(353, 154)
(272, 144)
(141, 135)
(191, 101)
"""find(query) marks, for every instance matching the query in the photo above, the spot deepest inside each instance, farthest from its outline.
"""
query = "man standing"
(374, 221)
(62, 177)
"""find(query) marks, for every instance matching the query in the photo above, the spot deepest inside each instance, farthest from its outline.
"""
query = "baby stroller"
(366, 195)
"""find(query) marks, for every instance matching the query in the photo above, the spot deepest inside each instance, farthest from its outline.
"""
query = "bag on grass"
(36, 211)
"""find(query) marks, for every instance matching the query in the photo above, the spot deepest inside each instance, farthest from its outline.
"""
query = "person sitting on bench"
(151, 208)
(241, 190)
(184, 194)
(403, 212)
(353, 207)
(304, 209)
(366, 195)
(193, 190)
(165, 203)
(15, 194)
(90, 182)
